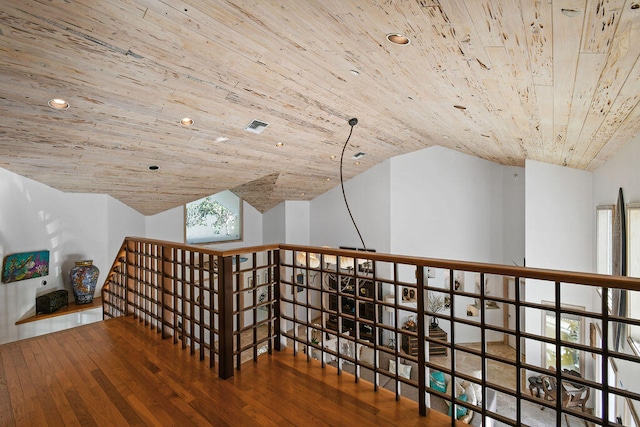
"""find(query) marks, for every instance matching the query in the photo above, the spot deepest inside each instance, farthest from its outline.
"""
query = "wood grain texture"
(550, 81)
(118, 372)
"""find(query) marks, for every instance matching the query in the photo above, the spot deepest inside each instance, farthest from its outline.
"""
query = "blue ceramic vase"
(83, 279)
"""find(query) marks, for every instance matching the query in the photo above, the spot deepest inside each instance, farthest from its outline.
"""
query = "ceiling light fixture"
(58, 104)
(279, 144)
(332, 156)
(398, 39)
(186, 121)
(222, 139)
(357, 163)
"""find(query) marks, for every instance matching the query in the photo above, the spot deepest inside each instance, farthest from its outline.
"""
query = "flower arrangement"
(436, 304)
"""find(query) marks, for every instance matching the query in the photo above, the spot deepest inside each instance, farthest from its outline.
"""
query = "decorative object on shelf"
(48, 303)
(436, 304)
(472, 310)
(436, 349)
(83, 278)
(410, 342)
(491, 305)
(25, 265)
(408, 294)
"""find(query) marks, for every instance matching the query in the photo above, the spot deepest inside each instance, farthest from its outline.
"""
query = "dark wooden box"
(48, 303)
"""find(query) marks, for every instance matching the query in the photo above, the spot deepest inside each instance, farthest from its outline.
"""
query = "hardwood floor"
(120, 373)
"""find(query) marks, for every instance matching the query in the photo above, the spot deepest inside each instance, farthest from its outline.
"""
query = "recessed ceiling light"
(301, 194)
(58, 104)
(186, 121)
(399, 39)
(332, 157)
(279, 144)
(222, 139)
(635, 6)
(460, 107)
(355, 72)
(357, 163)
(328, 179)
(154, 168)
(445, 136)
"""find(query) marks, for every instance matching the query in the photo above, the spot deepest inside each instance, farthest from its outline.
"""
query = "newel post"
(225, 319)
(276, 297)
(422, 405)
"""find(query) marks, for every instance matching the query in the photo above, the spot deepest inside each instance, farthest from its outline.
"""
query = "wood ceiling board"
(540, 149)
(622, 57)
(567, 33)
(537, 21)
(602, 18)
(465, 32)
(590, 65)
(626, 132)
(626, 102)
(486, 16)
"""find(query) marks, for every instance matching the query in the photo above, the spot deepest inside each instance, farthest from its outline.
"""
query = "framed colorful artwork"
(25, 265)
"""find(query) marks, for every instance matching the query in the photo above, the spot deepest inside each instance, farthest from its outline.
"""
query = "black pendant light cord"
(352, 123)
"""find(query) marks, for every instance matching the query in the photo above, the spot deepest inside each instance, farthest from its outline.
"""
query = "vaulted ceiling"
(505, 80)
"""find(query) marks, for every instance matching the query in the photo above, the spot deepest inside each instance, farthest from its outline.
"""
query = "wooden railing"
(360, 311)
(206, 300)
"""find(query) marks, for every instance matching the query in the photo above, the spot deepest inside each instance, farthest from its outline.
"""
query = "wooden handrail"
(593, 279)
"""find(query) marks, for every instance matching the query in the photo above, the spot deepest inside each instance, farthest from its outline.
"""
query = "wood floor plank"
(118, 372)
(38, 374)
(6, 409)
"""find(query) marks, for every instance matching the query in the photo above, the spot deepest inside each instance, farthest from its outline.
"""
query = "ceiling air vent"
(256, 126)
(359, 155)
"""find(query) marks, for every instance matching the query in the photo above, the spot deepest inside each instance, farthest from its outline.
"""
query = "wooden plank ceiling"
(556, 81)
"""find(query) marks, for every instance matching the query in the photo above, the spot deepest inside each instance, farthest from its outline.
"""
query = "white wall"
(560, 217)
(273, 225)
(446, 204)
(513, 215)
(122, 221)
(297, 219)
(167, 225)
(71, 226)
(620, 171)
(368, 195)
